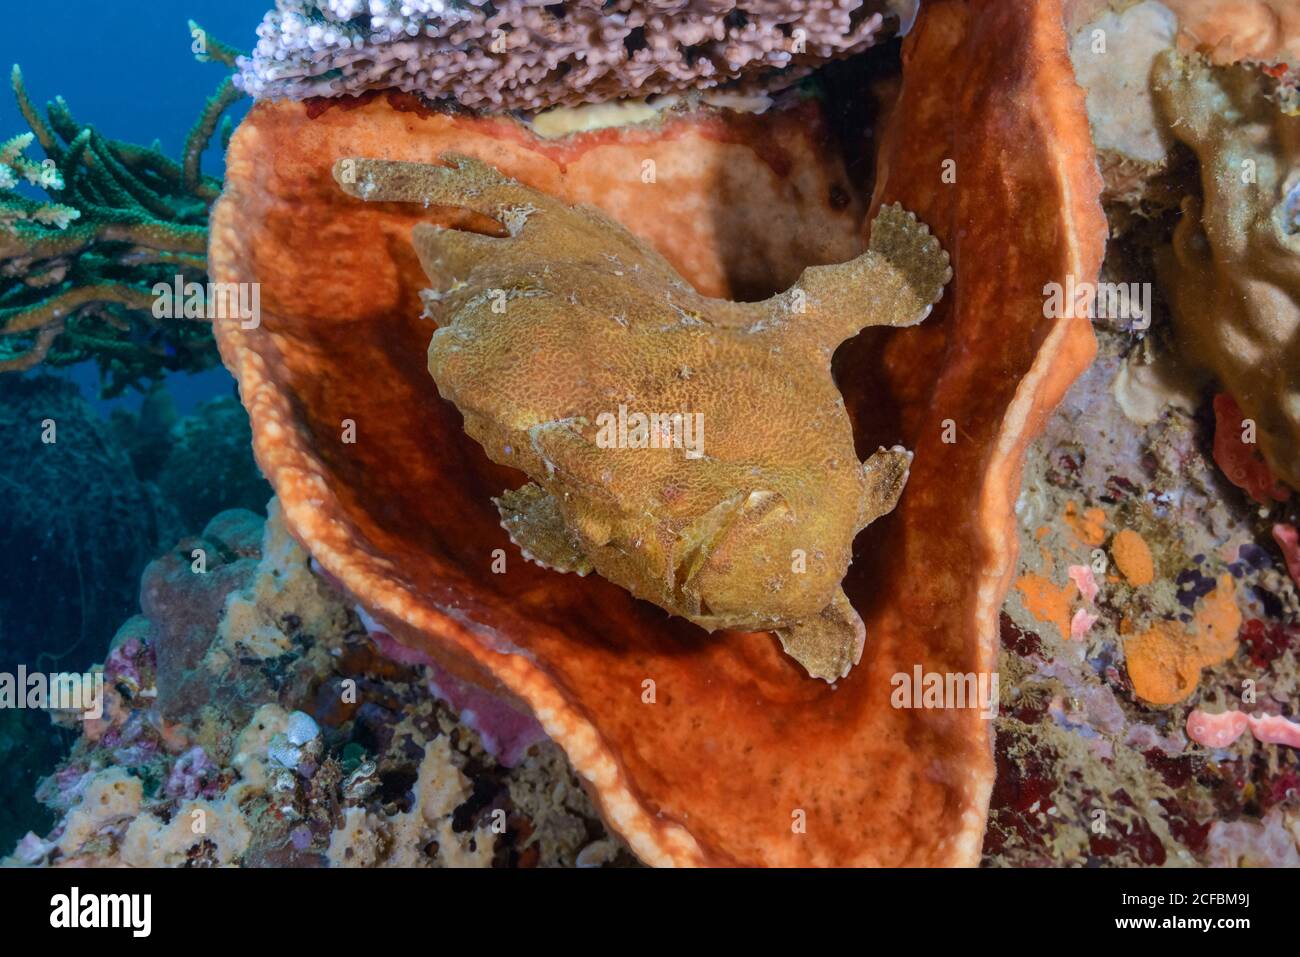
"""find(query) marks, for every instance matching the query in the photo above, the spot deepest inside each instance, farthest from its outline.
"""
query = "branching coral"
(1234, 270)
(14, 208)
(549, 336)
(515, 55)
(77, 271)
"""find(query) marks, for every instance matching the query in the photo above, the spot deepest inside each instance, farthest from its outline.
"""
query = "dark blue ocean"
(130, 475)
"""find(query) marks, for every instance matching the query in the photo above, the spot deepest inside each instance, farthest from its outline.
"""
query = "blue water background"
(125, 67)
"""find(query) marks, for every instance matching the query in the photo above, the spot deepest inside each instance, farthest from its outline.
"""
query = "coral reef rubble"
(250, 721)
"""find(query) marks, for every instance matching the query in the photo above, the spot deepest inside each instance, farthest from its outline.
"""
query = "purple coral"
(129, 662)
(65, 787)
(506, 732)
(189, 775)
(522, 54)
(134, 743)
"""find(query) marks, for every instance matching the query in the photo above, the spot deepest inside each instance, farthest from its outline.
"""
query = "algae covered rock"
(1233, 272)
(249, 719)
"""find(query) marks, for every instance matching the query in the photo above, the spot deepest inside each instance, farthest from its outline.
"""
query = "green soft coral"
(77, 268)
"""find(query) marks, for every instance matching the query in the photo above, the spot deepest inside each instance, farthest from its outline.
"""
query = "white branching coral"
(16, 168)
(522, 54)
